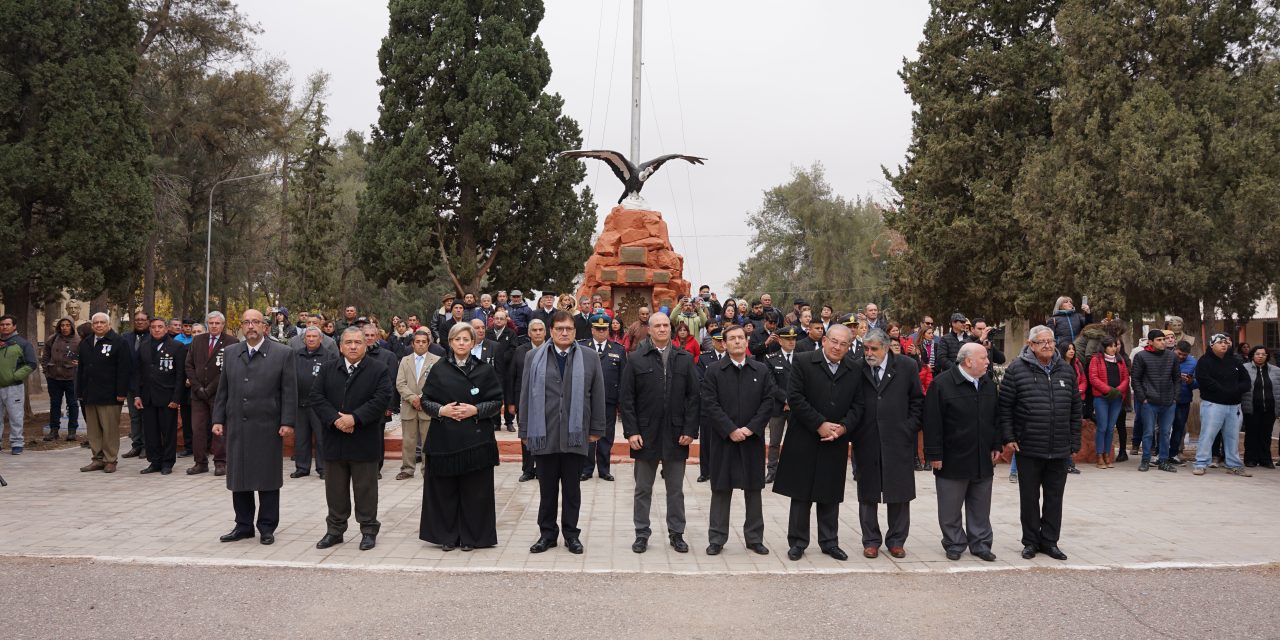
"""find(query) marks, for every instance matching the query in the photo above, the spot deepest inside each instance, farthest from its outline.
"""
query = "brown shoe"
(1111, 461)
(109, 467)
(871, 552)
(219, 469)
(897, 552)
(96, 465)
(404, 475)
(198, 468)
(1102, 461)
(132, 453)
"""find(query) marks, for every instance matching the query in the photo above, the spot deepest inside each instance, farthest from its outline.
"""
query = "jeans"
(1154, 415)
(1106, 411)
(1178, 435)
(1215, 419)
(59, 389)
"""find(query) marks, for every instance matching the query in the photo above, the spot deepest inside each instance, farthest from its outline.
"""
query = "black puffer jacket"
(947, 350)
(1040, 412)
(1156, 377)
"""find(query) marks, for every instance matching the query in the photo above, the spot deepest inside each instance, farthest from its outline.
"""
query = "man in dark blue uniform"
(779, 363)
(706, 359)
(613, 357)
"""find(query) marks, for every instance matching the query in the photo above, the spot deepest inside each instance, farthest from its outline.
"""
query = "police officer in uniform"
(779, 363)
(613, 357)
(705, 360)
(157, 393)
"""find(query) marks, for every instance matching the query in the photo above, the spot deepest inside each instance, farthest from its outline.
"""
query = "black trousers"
(268, 510)
(899, 523)
(1257, 437)
(1041, 483)
(704, 453)
(184, 412)
(307, 430)
(556, 472)
(600, 452)
(459, 510)
(160, 435)
(828, 524)
(343, 478)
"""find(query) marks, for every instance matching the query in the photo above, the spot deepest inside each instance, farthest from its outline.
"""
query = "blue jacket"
(1188, 368)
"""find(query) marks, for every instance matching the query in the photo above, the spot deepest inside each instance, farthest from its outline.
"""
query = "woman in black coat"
(464, 398)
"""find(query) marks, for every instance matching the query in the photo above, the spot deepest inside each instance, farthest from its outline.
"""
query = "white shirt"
(787, 355)
(254, 348)
(600, 346)
(830, 365)
(738, 363)
(972, 380)
(351, 366)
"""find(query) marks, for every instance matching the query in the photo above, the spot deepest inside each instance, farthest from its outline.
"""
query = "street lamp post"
(208, 248)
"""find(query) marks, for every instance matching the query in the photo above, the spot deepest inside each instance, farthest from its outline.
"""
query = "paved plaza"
(1117, 518)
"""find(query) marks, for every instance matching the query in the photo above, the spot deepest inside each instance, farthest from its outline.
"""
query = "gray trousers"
(899, 524)
(777, 429)
(342, 479)
(752, 529)
(646, 471)
(13, 405)
(136, 433)
(975, 497)
(307, 429)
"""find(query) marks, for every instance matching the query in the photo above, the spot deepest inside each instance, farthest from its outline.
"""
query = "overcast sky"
(756, 86)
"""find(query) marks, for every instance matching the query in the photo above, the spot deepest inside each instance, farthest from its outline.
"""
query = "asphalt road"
(56, 598)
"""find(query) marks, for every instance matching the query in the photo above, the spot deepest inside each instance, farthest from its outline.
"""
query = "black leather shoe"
(795, 553)
(678, 543)
(542, 545)
(714, 549)
(1028, 552)
(368, 541)
(329, 540)
(574, 545)
(584, 477)
(467, 547)
(986, 555)
(953, 555)
(525, 477)
(768, 477)
(132, 453)
(235, 534)
(268, 538)
(184, 454)
(321, 474)
(607, 477)
(703, 478)
(837, 553)
(759, 548)
(164, 471)
(640, 545)
(151, 468)
(1053, 552)
(448, 547)
(299, 473)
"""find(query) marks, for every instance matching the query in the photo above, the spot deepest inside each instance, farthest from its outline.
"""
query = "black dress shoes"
(795, 553)
(985, 555)
(584, 477)
(268, 538)
(526, 476)
(184, 454)
(678, 543)
(542, 545)
(236, 534)
(299, 473)
(607, 477)
(329, 540)
(953, 555)
(1053, 552)
(1028, 552)
(368, 541)
(703, 478)
(448, 547)
(768, 477)
(759, 548)
(132, 453)
(837, 553)
(714, 549)
(640, 545)
(151, 468)
(164, 471)
(574, 545)
(467, 547)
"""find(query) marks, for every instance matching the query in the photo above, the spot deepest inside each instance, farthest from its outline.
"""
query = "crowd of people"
(791, 399)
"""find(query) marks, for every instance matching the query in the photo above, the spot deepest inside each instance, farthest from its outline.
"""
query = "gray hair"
(351, 329)
(968, 350)
(460, 328)
(839, 327)
(875, 336)
(1058, 305)
(1037, 330)
(311, 329)
(537, 321)
(94, 317)
(216, 315)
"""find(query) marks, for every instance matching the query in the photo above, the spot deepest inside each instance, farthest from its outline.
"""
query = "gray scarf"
(538, 397)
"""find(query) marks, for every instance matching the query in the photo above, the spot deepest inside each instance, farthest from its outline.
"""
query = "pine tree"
(75, 196)
(310, 277)
(462, 164)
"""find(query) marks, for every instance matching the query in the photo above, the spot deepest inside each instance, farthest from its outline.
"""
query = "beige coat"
(410, 388)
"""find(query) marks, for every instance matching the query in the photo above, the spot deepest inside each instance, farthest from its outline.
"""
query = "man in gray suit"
(254, 410)
(562, 373)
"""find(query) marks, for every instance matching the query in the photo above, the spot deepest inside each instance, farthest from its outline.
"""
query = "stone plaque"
(609, 275)
(634, 275)
(632, 255)
(661, 277)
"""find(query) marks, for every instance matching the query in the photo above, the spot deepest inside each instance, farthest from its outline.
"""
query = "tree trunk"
(149, 274)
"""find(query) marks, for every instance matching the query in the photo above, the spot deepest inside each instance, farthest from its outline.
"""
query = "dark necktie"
(212, 340)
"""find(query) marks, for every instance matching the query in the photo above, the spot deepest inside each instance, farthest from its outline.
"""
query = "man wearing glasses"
(1039, 413)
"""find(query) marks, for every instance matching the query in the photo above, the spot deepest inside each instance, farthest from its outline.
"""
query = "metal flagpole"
(637, 29)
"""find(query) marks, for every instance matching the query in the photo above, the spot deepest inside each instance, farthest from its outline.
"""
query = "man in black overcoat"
(705, 360)
(812, 465)
(350, 400)
(737, 401)
(888, 406)
(157, 393)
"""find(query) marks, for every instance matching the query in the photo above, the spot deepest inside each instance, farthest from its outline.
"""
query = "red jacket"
(1098, 375)
(690, 344)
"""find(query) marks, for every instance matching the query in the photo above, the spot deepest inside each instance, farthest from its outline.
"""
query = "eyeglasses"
(254, 322)
(840, 343)
(1042, 343)
(562, 329)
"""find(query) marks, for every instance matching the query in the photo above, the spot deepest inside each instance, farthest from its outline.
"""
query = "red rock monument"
(634, 264)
